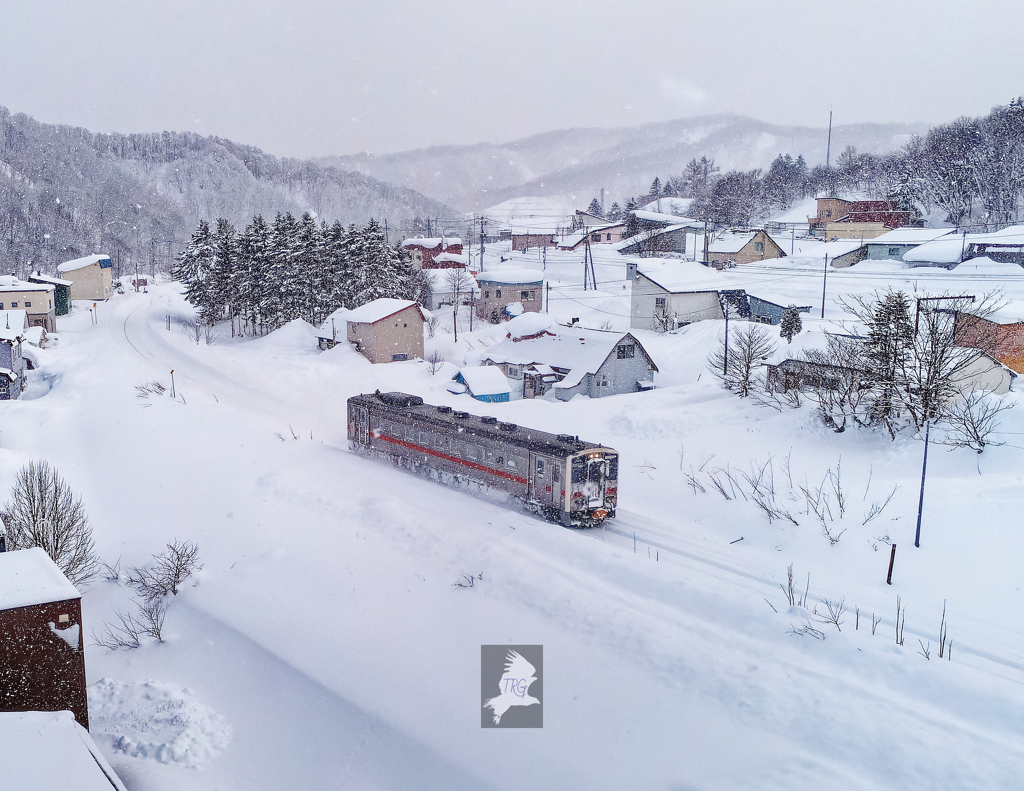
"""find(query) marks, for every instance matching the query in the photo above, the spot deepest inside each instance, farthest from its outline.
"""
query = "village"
(577, 331)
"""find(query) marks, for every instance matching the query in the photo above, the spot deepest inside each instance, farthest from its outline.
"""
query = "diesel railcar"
(559, 476)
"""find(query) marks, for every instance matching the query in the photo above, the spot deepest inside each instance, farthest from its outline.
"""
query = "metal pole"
(824, 278)
(924, 469)
(725, 357)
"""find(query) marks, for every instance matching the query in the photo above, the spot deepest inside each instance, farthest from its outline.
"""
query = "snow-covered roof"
(644, 236)
(667, 219)
(28, 577)
(580, 351)
(47, 279)
(673, 206)
(950, 248)
(13, 323)
(8, 373)
(528, 324)
(806, 341)
(517, 277)
(372, 312)
(430, 242)
(730, 242)
(679, 276)
(11, 283)
(333, 326)
(485, 380)
(81, 263)
(909, 236)
(454, 258)
(49, 750)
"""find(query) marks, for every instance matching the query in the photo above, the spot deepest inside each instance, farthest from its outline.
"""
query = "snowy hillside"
(325, 643)
(624, 161)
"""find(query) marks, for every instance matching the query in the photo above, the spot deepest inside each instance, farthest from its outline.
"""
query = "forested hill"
(67, 192)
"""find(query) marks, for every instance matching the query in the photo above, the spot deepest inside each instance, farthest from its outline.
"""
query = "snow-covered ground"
(325, 645)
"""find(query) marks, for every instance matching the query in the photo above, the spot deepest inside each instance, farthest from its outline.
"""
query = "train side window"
(540, 466)
(410, 434)
(439, 441)
(424, 438)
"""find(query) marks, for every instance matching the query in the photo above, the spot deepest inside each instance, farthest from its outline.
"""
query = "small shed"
(61, 292)
(48, 750)
(502, 287)
(387, 330)
(91, 277)
(42, 659)
(486, 383)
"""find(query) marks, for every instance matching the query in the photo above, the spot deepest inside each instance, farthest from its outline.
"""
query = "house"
(585, 219)
(36, 299)
(91, 277)
(657, 240)
(484, 383)
(523, 241)
(501, 289)
(610, 233)
(564, 361)
(1000, 335)
(442, 292)
(387, 330)
(671, 302)
(1005, 246)
(42, 659)
(12, 360)
(842, 253)
(742, 248)
(427, 252)
(332, 329)
(892, 246)
(61, 292)
(858, 219)
(48, 750)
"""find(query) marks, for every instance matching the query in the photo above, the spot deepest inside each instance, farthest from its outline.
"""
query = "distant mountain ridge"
(67, 192)
(624, 160)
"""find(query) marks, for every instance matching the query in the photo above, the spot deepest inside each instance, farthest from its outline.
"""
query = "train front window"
(579, 470)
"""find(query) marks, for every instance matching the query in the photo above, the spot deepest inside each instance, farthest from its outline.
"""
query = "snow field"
(326, 631)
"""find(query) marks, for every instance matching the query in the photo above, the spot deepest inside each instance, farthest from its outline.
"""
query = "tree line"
(970, 170)
(269, 274)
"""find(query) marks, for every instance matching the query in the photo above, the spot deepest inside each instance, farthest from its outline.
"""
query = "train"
(557, 476)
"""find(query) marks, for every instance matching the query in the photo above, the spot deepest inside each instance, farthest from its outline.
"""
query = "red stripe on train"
(463, 462)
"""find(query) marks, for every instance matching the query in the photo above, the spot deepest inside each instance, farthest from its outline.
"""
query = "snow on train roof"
(521, 436)
(28, 577)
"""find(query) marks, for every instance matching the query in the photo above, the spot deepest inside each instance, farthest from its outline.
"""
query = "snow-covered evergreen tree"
(595, 208)
(193, 266)
(791, 325)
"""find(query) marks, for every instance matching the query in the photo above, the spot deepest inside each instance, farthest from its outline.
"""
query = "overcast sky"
(313, 77)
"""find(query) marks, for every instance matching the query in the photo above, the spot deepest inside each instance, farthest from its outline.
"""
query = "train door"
(542, 489)
(362, 425)
(593, 488)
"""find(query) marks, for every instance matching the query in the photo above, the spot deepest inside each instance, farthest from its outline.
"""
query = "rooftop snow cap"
(399, 399)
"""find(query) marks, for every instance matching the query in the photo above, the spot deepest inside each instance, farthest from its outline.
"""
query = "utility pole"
(924, 469)
(586, 250)
(824, 279)
(706, 243)
(828, 146)
(483, 220)
(725, 356)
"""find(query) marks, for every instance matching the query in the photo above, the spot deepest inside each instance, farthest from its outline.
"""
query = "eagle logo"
(514, 686)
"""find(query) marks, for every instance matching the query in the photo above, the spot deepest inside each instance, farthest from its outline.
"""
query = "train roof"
(483, 426)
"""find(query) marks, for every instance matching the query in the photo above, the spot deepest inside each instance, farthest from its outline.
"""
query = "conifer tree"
(791, 324)
(195, 262)
(595, 208)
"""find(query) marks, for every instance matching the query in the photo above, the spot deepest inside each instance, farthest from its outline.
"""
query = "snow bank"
(155, 721)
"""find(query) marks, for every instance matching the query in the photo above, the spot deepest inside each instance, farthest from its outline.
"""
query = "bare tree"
(44, 512)
(972, 421)
(167, 571)
(435, 360)
(736, 365)
(431, 325)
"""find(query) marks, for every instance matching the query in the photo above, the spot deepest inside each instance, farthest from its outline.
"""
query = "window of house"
(759, 246)
(1, 305)
(894, 251)
(487, 295)
(497, 293)
(28, 304)
(528, 296)
(625, 351)
(659, 302)
(595, 237)
(14, 304)
(399, 357)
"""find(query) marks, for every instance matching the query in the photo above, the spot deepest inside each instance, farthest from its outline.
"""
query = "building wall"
(760, 248)
(10, 357)
(888, 252)
(1005, 342)
(398, 334)
(679, 308)
(39, 671)
(855, 230)
(984, 374)
(90, 282)
(525, 241)
(490, 301)
(40, 312)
